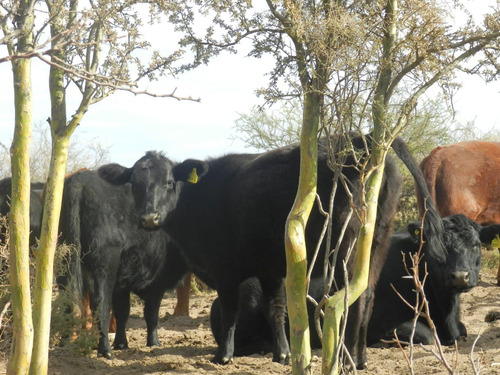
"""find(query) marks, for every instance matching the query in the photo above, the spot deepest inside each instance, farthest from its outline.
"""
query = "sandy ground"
(188, 346)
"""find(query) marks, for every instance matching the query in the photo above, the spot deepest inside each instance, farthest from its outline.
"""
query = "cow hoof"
(106, 355)
(283, 359)
(222, 360)
(121, 346)
(362, 366)
(154, 343)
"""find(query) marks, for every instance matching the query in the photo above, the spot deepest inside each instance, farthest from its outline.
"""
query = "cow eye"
(169, 184)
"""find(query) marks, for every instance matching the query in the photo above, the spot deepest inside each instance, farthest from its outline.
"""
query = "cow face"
(460, 272)
(156, 183)
(154, 189)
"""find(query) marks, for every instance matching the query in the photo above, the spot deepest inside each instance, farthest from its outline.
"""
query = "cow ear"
(190, 170)
(490, 235)
(115, 173)
(415, 230)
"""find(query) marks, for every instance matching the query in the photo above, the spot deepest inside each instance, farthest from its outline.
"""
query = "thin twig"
(4, 311)
(477, 370)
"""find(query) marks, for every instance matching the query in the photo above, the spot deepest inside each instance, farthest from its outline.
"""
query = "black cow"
(253, 333)
(445, 282)
(443, 286)
(118, 247)
(230, 226)
(36, 205)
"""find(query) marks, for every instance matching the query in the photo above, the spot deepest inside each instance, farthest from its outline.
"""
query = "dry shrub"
(66, 320)
(490, 260)
(5, 309)
(67, 326)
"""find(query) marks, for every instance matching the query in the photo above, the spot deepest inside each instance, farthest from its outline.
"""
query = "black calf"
(117, 249)
(444, 284)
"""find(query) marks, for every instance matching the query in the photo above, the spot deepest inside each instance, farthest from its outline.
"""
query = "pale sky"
(131, 125)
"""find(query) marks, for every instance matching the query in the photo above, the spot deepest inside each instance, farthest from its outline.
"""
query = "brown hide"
(464, 178)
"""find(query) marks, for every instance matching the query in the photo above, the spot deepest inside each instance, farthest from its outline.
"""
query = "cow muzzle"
(150, 220)
(460, 279)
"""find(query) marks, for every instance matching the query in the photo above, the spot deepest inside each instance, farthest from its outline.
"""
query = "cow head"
(156, 182)
(461, 240)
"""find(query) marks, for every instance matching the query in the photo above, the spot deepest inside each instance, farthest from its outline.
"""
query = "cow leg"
(101, 306)
(182, 307)
(273, 290)
(121, 310)
(228, 297)
(112, 323)
(454, 326)
(86, 313)
(357, 328)
(151, 310)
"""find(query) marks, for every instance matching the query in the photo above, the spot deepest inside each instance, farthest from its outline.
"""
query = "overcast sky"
(130, 125)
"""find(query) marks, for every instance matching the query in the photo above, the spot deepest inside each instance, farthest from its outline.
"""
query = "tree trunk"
(52, 208)
(296, 255)
(42, 301)
(335, 306)
(22, 341)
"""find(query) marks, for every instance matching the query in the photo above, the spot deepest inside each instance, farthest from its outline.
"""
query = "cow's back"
(464, 178)
(95, 211)
(235, 216)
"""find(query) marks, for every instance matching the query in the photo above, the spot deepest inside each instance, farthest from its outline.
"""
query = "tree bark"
(61, 132)
(296, 254)
(22, 341)
(335, 306)
(42, 301)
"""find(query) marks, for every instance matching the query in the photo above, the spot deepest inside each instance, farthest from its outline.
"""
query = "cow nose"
(150, 220)
(460, 278)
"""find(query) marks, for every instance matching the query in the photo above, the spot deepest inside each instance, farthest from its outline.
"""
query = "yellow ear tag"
(193, 177)
(496, 242)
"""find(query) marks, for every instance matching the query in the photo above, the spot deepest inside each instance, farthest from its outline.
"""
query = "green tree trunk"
(19, 213)
(19, 222)
(296, 255)
(335, 306)
(61, 132)
(42, 294)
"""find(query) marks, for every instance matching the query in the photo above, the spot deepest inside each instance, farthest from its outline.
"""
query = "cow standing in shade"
(118, 245)
(230, 226)
(464, 178)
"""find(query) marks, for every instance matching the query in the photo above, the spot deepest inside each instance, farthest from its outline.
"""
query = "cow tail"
(70, 229)
(432, 225)
(428, 168)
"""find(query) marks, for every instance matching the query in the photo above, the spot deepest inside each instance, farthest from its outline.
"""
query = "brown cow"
(464, 178)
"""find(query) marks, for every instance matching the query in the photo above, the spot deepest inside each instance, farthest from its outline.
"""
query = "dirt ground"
(188, 346)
